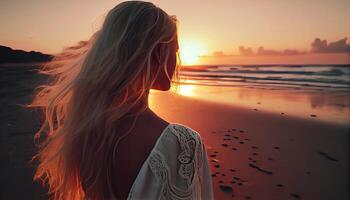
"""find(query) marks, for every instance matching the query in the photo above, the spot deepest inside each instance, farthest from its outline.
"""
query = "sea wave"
(327, 77)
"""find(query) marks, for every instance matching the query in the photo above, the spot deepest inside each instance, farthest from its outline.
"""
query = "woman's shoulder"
(179, 153)
(184, 132)
(182, 141)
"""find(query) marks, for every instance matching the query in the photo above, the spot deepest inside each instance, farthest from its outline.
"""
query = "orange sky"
(49, 26)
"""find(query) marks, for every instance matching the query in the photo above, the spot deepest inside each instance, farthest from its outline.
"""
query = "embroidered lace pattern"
(190, 161)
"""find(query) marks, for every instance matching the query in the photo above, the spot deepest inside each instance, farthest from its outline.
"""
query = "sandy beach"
(261, 155)
(253, 154)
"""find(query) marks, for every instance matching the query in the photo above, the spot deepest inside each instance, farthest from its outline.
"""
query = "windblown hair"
(92, 86)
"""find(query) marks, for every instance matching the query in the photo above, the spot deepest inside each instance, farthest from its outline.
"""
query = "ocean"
(315, 92)
(313, 77)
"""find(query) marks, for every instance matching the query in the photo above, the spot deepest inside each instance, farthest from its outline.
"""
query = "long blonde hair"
(92, 87)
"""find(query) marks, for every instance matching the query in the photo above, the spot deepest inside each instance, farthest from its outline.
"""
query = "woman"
(103, 140)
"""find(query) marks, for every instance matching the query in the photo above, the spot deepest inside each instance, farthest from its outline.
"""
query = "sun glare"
(190, 52)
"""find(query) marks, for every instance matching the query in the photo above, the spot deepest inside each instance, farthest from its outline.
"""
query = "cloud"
(245, 51)
(322, 46)
(270, 52)
(317, 46)
(261, 51)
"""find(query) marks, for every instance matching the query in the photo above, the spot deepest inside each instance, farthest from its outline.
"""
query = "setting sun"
(190, 52)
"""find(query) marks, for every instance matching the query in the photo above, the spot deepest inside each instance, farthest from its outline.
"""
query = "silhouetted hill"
(9, 55)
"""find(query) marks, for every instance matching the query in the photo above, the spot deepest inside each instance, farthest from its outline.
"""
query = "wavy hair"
(92, 87)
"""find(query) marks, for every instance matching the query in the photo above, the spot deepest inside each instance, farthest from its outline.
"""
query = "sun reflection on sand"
(284, 102)
(187, 90)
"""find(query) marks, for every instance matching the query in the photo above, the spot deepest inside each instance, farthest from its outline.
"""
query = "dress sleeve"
(205, 175)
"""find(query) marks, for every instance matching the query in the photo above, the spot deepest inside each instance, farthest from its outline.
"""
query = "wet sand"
(253, 154)
(261, 155)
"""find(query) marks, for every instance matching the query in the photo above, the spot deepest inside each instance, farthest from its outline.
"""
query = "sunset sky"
(205, 26)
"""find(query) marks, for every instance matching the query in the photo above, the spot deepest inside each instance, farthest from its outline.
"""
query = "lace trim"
(189, 143)
(190, 159)
(161, 170)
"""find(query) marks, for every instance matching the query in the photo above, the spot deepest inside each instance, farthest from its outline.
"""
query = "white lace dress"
(176, 168)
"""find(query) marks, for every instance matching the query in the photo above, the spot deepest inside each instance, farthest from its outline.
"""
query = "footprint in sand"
(236, 178)
(327, 156)
(225, 188)
(297, 196)
(279, 185)
(260, 169)
(235, 149)
(213, 155)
